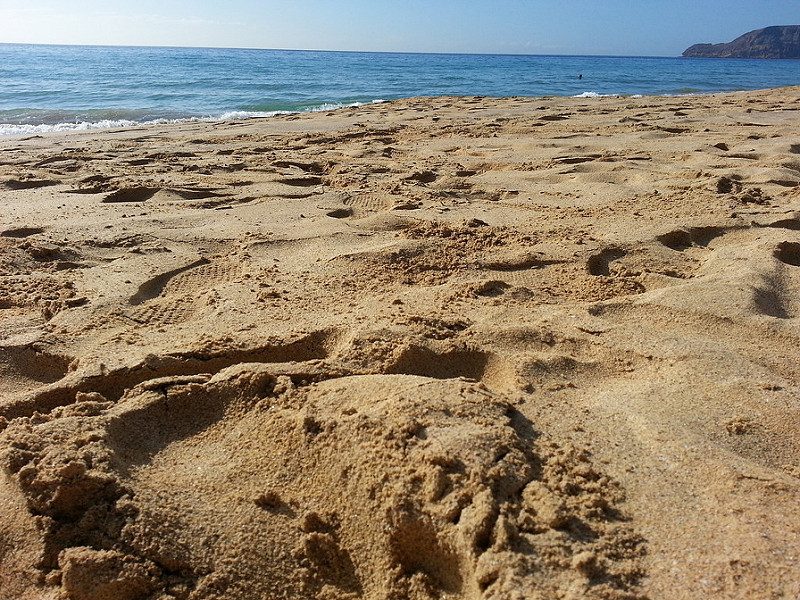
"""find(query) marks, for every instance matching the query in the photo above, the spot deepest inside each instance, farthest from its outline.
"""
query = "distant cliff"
(771, 42)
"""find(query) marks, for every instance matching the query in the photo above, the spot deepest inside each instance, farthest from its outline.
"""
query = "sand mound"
(246, 485)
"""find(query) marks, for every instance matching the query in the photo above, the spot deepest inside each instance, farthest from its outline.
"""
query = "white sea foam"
(12, 129)
(7, 129)
(329, 106)
(245, 114)
(235, 115)
(595, 95)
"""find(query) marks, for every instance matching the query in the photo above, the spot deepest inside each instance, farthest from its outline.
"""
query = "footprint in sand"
(27, 184)
(22, 232)
(132, 194)
(788, 253)
(599, 265)
(683, 239)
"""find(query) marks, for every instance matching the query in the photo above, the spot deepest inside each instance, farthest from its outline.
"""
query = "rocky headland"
(770, 42)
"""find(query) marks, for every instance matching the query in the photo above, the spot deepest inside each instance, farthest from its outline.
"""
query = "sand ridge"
(433, 348)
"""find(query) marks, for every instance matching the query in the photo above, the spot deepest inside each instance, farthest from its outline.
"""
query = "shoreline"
(434, 347)
(237, 115)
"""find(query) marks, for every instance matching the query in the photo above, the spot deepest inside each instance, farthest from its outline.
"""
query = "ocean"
(59, 88)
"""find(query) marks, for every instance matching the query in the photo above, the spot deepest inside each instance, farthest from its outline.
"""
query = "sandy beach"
(451, 348)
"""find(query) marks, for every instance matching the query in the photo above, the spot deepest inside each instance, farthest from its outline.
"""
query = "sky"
(597, 27)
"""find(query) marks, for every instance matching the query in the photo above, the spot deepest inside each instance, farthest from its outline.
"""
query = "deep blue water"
(69, 87)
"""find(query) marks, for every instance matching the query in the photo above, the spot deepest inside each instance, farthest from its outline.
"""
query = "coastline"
(430, 347)
(107, 125)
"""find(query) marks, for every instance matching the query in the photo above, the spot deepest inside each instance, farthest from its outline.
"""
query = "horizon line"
(418, 52)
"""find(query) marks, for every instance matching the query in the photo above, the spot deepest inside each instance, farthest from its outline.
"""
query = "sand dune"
(432, 348)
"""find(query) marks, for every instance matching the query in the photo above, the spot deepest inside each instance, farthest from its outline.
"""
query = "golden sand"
(433, 348)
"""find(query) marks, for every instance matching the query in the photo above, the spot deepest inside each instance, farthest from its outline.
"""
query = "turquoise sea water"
(44, 88)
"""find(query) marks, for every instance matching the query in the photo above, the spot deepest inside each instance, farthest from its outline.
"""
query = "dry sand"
(434, 348)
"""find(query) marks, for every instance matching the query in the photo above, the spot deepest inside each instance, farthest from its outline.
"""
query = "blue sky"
(621, 27)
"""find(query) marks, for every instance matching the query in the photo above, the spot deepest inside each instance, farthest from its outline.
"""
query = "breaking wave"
(85, 122)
